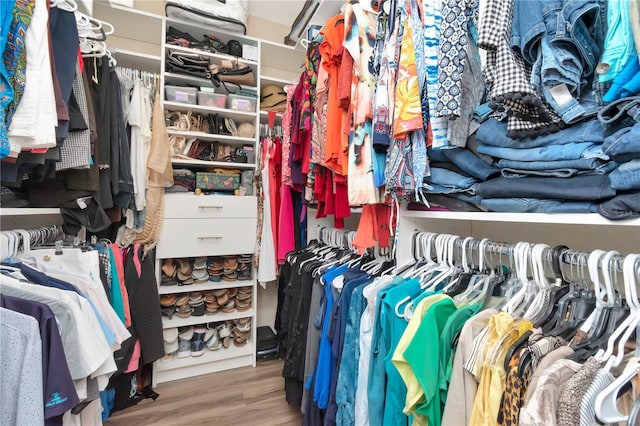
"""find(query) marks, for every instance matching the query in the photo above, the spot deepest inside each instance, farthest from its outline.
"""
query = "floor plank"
(238, 397)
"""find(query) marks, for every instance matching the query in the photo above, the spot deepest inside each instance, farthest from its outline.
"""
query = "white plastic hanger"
(631, 296)
(594, 276)
(603, 355)
(520, 257)
(606, 401)
(539, 279)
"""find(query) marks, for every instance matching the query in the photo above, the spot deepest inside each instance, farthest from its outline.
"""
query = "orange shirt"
(331, 52)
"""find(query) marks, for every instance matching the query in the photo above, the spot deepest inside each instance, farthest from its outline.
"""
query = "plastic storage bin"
(216, 100)
(243, 103)
(187, 95)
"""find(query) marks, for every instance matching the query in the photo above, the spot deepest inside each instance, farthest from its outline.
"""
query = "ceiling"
(281, 11)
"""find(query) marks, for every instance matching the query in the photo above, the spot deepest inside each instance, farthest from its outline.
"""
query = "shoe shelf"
(203, 319)
(237, 115)
(170, 289)
(232, 351)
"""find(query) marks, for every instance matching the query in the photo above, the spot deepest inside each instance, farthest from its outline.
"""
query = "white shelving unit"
(208, 225)
(577, 231)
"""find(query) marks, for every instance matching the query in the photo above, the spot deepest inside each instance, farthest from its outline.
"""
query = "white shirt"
(85, 346)
(34, 122)
(139, 119)
(21, 379)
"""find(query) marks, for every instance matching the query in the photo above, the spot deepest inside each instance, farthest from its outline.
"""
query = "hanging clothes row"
(88, 152)
(79, 332)
(432, 104)
(469, 332)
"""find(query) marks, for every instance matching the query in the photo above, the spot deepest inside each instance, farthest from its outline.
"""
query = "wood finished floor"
(239, 397)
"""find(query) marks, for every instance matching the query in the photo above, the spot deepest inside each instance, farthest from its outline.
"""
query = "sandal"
(169, 268)
(184, 269)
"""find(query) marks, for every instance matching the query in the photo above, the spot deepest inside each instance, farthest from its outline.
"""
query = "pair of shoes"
(183, 308)
(171, 345)
(191, 342)
(184, 271)
(243, 298)
(241, 331)
(196, 301)
(199, 273)
(230, 267)
(168, 305)
(215, 268)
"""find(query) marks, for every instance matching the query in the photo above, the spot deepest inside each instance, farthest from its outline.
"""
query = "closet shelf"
(137, 61)
(231, 113)
(208, 356)
(225, 164)
(216, 56)
(173, 77)
(264, 79)
(132, 24)
(218, 316)
(171, 289)
(237, 140)
(28, 211)
(560, 218)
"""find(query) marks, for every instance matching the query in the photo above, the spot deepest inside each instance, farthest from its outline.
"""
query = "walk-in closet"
(320, 212)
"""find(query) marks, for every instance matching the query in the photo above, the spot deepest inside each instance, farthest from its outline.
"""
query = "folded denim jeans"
(623, 145)
(579, 188)
(536, 205)
(494, 133)
(623, 206)
(563, 169)
(626, 176)
(470, 163)
(443, 181)
(547, 153)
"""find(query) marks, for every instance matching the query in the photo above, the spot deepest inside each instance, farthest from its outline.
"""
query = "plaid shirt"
(509, 77)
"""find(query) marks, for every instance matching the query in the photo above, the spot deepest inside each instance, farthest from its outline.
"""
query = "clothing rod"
(569, 256)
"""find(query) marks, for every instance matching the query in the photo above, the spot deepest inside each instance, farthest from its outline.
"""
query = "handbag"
(231, 72)
(188, 63)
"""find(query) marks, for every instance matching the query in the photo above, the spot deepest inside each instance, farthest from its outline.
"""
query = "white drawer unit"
(178, 206)
(206, 237)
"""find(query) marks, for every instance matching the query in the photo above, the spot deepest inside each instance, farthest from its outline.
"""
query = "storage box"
(217, 181)
(216, 100)
(243, 103)
(187, 95)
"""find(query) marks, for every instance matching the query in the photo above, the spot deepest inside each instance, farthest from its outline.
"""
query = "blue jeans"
(619, 114)
(494, 133)
(443, 181)
(578, 188)
(470, 163)
(547, 153)
(535, 205)
(623, 145)
(568, 168)
(560, 40)
(626, 176)
(626, 206)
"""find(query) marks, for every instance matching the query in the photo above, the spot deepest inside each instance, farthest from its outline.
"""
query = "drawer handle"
(210, 207)
(210, 238)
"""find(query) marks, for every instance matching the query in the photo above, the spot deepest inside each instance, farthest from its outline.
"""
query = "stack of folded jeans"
(562, 172)
(622, 144)
(454, 178)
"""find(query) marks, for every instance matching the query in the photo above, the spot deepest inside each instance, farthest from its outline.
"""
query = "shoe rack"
(206, 277)
(204, 256)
